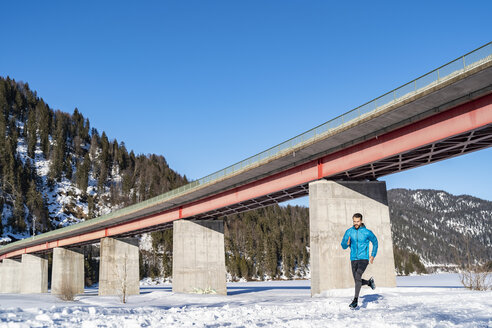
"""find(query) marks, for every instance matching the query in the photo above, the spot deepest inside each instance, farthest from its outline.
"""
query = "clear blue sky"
(209, 83)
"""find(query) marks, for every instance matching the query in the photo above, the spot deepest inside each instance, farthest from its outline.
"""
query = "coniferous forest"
(57, 170)
(42, 150)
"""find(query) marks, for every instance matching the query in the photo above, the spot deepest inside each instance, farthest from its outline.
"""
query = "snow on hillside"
(439, 226)
(64, 199)
(419, 301)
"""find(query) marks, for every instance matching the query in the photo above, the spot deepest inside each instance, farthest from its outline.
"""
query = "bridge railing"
(439, 75)
(458, 66)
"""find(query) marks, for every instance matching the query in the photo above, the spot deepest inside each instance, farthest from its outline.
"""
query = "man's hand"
(348, 242)
(371, 259)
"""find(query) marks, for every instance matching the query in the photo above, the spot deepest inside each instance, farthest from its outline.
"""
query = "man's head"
(357, 220)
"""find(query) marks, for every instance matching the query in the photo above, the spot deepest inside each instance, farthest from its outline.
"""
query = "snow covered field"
(418, 301)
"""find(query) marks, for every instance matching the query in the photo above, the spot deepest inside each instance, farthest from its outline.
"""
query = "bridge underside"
(447, 148)
(457, 145)
(444, 149)
(463, 129)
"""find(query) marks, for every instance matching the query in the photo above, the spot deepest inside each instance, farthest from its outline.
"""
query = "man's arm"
(374, 241)
(346, 240)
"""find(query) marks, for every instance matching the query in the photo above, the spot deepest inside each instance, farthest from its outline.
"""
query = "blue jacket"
(359, 243)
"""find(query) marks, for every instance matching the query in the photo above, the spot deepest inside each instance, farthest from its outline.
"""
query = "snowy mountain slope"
(55, 170)
(441, 228)
(65, 201)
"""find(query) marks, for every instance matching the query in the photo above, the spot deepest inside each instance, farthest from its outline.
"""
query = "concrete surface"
(331, 207)
(199, 257)
(34, 274)
(119, 267)
(11, 272)
(68, 272)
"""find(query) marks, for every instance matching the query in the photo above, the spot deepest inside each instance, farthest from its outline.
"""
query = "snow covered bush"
(476, 278)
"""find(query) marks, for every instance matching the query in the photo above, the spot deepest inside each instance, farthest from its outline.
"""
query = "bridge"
(442, 114)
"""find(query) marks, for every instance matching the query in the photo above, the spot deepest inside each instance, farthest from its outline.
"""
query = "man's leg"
(357, 270)
(354, 267)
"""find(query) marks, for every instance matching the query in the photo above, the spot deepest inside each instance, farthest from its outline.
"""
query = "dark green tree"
(82, 173)
(59, 150)
(18, 221)
(43, 115)
(31, 133)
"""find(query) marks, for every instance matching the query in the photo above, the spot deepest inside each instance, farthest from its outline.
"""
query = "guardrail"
(441, 74)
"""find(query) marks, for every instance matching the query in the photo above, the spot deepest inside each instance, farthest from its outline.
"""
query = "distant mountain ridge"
(440, 227)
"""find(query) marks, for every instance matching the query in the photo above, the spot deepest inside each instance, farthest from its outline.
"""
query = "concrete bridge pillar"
(199, 257)
(68, 272)
(10, 276)
(331, 207)
(34, 275)
(119, 267)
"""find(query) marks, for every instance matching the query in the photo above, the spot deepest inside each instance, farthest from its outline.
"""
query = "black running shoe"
(371, 283)
(353, 305)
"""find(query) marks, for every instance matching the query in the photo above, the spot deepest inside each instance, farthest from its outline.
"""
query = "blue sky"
(209, 83)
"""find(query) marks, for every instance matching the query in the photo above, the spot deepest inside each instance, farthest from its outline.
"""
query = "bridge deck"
(434, 93)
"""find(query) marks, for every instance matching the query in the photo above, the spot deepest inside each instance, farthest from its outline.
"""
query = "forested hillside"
(440, 227)
(56, 170)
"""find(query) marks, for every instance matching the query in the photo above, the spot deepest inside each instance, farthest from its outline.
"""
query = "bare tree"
(473, 275)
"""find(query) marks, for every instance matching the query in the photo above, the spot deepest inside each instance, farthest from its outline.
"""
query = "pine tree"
(58, 156)
(18, 217)
(43, 115)
(105, 161)
(31, 133)
(31, 97)
(68, 167)
(91, 207)
(122, 159)
(9, 167)
(3, 126)
(18, 108)
(82, 173)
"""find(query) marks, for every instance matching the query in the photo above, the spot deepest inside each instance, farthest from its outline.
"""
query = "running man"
(358, 238)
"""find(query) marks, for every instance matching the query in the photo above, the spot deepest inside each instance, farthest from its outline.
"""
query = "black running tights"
(358, 268)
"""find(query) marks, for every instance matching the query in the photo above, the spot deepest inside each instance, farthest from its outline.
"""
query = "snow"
(418, 301)
(146, 242)
(64, 200)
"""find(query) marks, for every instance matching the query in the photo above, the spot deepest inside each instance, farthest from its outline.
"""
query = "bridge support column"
(331, 207)
(11, 274)
(199, 257)
(34, 276)
(68, 272)
(119, 267)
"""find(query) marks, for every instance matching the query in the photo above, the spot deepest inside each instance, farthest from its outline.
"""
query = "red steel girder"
(463, 118)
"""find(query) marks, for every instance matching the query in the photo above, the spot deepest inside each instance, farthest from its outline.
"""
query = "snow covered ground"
(419, 301)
